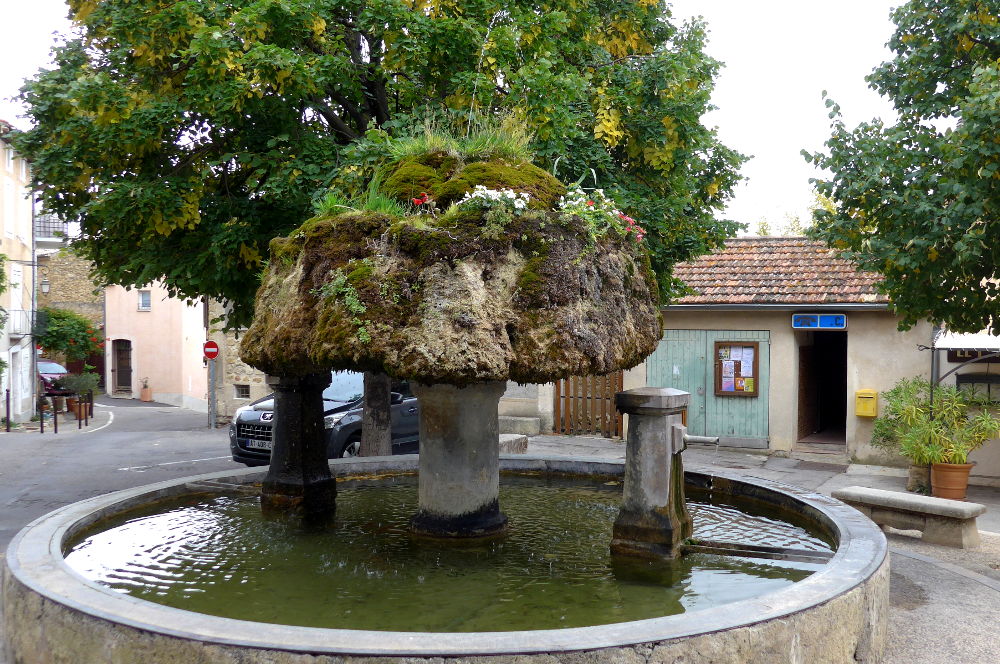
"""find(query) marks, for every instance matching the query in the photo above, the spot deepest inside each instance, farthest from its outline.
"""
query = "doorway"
(822, 399)
(121, 365)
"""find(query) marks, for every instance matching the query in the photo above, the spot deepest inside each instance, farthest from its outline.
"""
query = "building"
(17, 245)
(155, 340)
(781, 344)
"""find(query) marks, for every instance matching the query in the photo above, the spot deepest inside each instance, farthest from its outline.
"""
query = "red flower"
(423, 198)
(590, 203)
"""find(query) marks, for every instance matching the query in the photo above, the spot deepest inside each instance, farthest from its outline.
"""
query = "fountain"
(459, 304)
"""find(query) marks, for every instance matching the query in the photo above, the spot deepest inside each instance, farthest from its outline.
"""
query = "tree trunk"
(376, 420)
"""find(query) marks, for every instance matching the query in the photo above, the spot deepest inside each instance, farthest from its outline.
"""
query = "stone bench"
(942, 521)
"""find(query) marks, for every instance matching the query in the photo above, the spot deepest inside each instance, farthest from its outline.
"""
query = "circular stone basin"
(219, 555)
(54, 614)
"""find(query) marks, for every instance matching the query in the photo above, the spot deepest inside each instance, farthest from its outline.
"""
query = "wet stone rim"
(35, 560)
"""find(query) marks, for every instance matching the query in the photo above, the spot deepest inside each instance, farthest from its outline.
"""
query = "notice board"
(736, 368)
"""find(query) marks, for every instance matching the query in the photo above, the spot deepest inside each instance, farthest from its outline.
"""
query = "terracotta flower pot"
(950, 480)
(146, 394)
(71, 404)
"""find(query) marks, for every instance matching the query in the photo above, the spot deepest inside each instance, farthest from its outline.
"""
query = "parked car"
(49, 372)
(250, 434)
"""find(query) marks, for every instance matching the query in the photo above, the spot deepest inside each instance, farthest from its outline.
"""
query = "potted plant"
(940, 432)
(146, 392)
(78, 384)
(905, 404)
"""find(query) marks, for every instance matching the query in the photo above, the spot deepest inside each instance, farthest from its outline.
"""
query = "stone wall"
(233, 377)
(70, 285)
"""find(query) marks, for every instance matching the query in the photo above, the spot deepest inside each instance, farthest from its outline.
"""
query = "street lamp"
(45, 285)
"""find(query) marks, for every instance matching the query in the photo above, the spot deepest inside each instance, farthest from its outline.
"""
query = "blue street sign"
(819, 321)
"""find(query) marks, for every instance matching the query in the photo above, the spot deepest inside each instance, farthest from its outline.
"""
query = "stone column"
(653, 520)
(459, 461)
(298, 481)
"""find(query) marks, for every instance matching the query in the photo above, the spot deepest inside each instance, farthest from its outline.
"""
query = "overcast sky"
(780, 55)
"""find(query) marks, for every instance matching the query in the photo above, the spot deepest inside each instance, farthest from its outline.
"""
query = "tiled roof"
(776, 270)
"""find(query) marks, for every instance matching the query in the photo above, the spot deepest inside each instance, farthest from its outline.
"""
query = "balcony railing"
(49, 225)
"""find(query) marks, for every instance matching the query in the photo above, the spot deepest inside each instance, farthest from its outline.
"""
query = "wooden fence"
(586, 405)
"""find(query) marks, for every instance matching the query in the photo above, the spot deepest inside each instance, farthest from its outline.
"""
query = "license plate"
(259, 445)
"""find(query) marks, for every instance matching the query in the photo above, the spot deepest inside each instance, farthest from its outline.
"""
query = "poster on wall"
(736, 368)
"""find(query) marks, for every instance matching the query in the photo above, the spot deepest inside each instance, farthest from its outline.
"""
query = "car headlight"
(240, 411)
(331, 420)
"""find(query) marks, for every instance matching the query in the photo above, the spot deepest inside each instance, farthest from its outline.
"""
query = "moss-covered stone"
(450, 300)
(541, 185)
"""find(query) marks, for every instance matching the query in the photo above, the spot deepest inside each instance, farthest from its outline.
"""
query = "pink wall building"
(158, 339)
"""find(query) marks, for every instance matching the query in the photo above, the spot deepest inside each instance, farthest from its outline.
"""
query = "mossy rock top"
(458, 299)
(447, 179)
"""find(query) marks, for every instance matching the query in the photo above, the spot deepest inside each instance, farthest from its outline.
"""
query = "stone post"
(653, 520)
(459, 461)
(298, 481)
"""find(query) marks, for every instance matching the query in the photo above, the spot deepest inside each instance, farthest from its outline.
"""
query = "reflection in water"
(551, 570)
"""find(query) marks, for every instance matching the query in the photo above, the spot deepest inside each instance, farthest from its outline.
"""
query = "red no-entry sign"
(211, 350)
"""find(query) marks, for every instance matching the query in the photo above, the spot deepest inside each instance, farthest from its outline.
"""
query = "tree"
(67, 332)
(918, 200)
(184, 134)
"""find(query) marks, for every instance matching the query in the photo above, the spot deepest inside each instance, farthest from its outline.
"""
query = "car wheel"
(351, 448)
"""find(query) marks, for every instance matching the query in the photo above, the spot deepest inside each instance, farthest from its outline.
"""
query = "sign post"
(211, 350)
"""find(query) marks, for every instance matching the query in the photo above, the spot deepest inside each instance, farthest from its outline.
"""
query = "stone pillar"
(653, 520)
(459, 461)
(298, 481)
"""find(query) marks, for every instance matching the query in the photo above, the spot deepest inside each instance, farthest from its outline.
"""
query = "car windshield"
(49, 367)
(345, 386)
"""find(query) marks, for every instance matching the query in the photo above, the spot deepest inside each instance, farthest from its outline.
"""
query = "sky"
(779, 54)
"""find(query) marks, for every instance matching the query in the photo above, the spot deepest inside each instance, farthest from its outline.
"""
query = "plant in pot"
(905, 405)
(940, 432)
(146, 392)
(80, 384)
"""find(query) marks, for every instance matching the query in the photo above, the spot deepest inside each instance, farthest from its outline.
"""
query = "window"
(145, 301)
(8, 159)
(242, 391)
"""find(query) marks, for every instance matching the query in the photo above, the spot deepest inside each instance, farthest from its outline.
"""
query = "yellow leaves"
(622, 38)
(713, 188)
(932, 254)
(531, 34)
(249, 255)
(609, 128)
(965, 43)
(82, 9)
(318, 27)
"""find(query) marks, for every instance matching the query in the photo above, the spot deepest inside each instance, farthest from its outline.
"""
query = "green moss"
(418, 174)
(543, 188)
(362, 273)
(530, 283)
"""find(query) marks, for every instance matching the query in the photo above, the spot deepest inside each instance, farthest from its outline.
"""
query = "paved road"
(126, 445)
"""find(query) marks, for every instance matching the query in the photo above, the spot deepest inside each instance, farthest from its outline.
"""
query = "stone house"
(18, 300)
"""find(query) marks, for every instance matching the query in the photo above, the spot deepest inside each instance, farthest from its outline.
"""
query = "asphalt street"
(126, 445)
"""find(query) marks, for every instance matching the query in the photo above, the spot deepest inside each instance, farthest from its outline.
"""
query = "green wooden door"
(679, 362)
(684, 360)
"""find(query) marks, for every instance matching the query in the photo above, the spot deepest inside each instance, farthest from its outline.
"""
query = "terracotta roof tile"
(776, 270)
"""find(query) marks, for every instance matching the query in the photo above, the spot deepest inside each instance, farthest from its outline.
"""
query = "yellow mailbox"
(866, 403)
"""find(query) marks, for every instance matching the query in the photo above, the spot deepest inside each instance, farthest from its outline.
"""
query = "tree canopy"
(918, 200)
(184, 135)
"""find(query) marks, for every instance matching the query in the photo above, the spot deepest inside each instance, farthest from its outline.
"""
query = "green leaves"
(919, 201)
(69, 333)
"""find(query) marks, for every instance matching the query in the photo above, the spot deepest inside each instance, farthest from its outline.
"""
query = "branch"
(332, 119)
